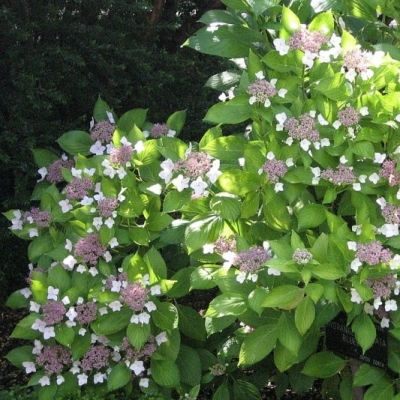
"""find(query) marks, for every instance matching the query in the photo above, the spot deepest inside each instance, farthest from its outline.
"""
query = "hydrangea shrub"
(290, 221)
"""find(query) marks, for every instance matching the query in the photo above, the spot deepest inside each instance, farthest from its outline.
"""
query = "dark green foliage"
(57, 57)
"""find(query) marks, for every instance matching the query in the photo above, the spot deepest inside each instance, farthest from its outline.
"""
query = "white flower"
(155, 290)
(241, 277)
(86, 201)
(144, 382)
(109, 222)
(69, 262)
(103, 311)
(113, 242)
(367, 74)
(364, 111)
(48, 332)
(351, 74)
(281, 46)
(167, 166)
(198, 186)
(81, 268)
(278, 187)
(75, 369)
(99, 377)
(82, 332)
(355, 296)
(34, 307)
(33, 232)
(107, 256)
(60, 379)
(144, 317)
(68, 245)
(121, 173)
(369, 309)
(161, 338)
(150, 306)
(377, 303)
(38, 346)
(97, 148)
(355, 265)
(52, 293)
(390, 230)
(214, 173)
(77, 173)
(208, 248)
(97, 222)
(357, 186)
(337, 124)
(374, 178)
(260, 75)
(379, 158)
(352, 245)
(273, 271)
(29, 366)
(343, 159)
(82, 379)
(115, 305)
(44, 381)
(390, 305)
(325, 142)
(181, 183)
(42, 172)
(137, 367)
(71, 314)
(282, 93)
(116, 286)
(305, 144)
(385, 322)
(241, 161)
(65, 205)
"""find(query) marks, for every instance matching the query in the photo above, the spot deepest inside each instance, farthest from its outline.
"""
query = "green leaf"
(112, 323)
(177, 120)
(19, 355)
(311, 216)
(155, 261)
(304, 315)
(288, 334)
(290, 21)
(245, 390)
(76, 142)
(226, 205)
(38, 247)
(139, 235)
(323, 365)
(166, 316)
(81, 345)
(100, 110)
(334, 88)
(138, 334)
(65, 335)
(323, 22)
(43, 157)
(223, 81)
(165, 373)
(132, 118)
(189, 365)
(285, 297)
(181, 284)
(258, 344)
(202, 231)
(59, 278)
(227, 304)
(367, 375)
(24, 330)
(234, 111)
(283, 64)
(239, 182)
(191, 323)
(380, 391)
(364, 331)
(17, 300)
(157, 221)
(256, 299)
(214, 325)
(175, 201)
(327, 271)
(204, 277)
(119, 376)
(283, 357)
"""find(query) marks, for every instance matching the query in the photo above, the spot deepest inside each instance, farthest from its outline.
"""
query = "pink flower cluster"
(195, 165)
(40, 218)
(53, 359)
(53, 312)
(54, 173)
(349, 116)
(373, 253)
(78, 188)
(106, 206)
(391, 214)
(274, 169)
(303, 128)
(90, 249)
(158, 130)
(135, 295)
(342, 176)
(251, 260)
(305, 40)
(262, 90)
(388, 171)
(102, 131)
(86, 312)
(96, 357)
(382, 287)
(132, 354)
(225, 244)
(357, 59)
(302, 256)
(122, 155)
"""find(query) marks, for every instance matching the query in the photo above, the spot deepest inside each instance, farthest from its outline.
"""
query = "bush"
(290, 222)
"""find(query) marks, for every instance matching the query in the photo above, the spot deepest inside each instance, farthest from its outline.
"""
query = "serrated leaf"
(233, 111)
(138, 334)
(227, 304)
(191, 323)
(311, 216)
(323, 365)
(258, 344)
(165, 373)
(189, 365)
(304, 315)
(364, 331)
(367, 375)
(119, 376)
(76, 142)
(285, 297)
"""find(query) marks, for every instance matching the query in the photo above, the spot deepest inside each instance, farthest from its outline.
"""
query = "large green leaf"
(364, 331)
(304, 315)
(323, 365)
(166, 316)
(227, 304)
(311, 216)
(138, 334)
(286, 297)
(76, 142)
(233, 111)
(19, 355)
(245, 390)
(191, 323)
(202, 231)
(119, 376)
(368, 375)
(38, 247)
(226, 205)
(189, 365)
(165, 373)
(131, 118)
(258, 344)
(112, 322)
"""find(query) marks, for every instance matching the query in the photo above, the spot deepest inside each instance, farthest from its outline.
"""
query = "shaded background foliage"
(58, 56)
